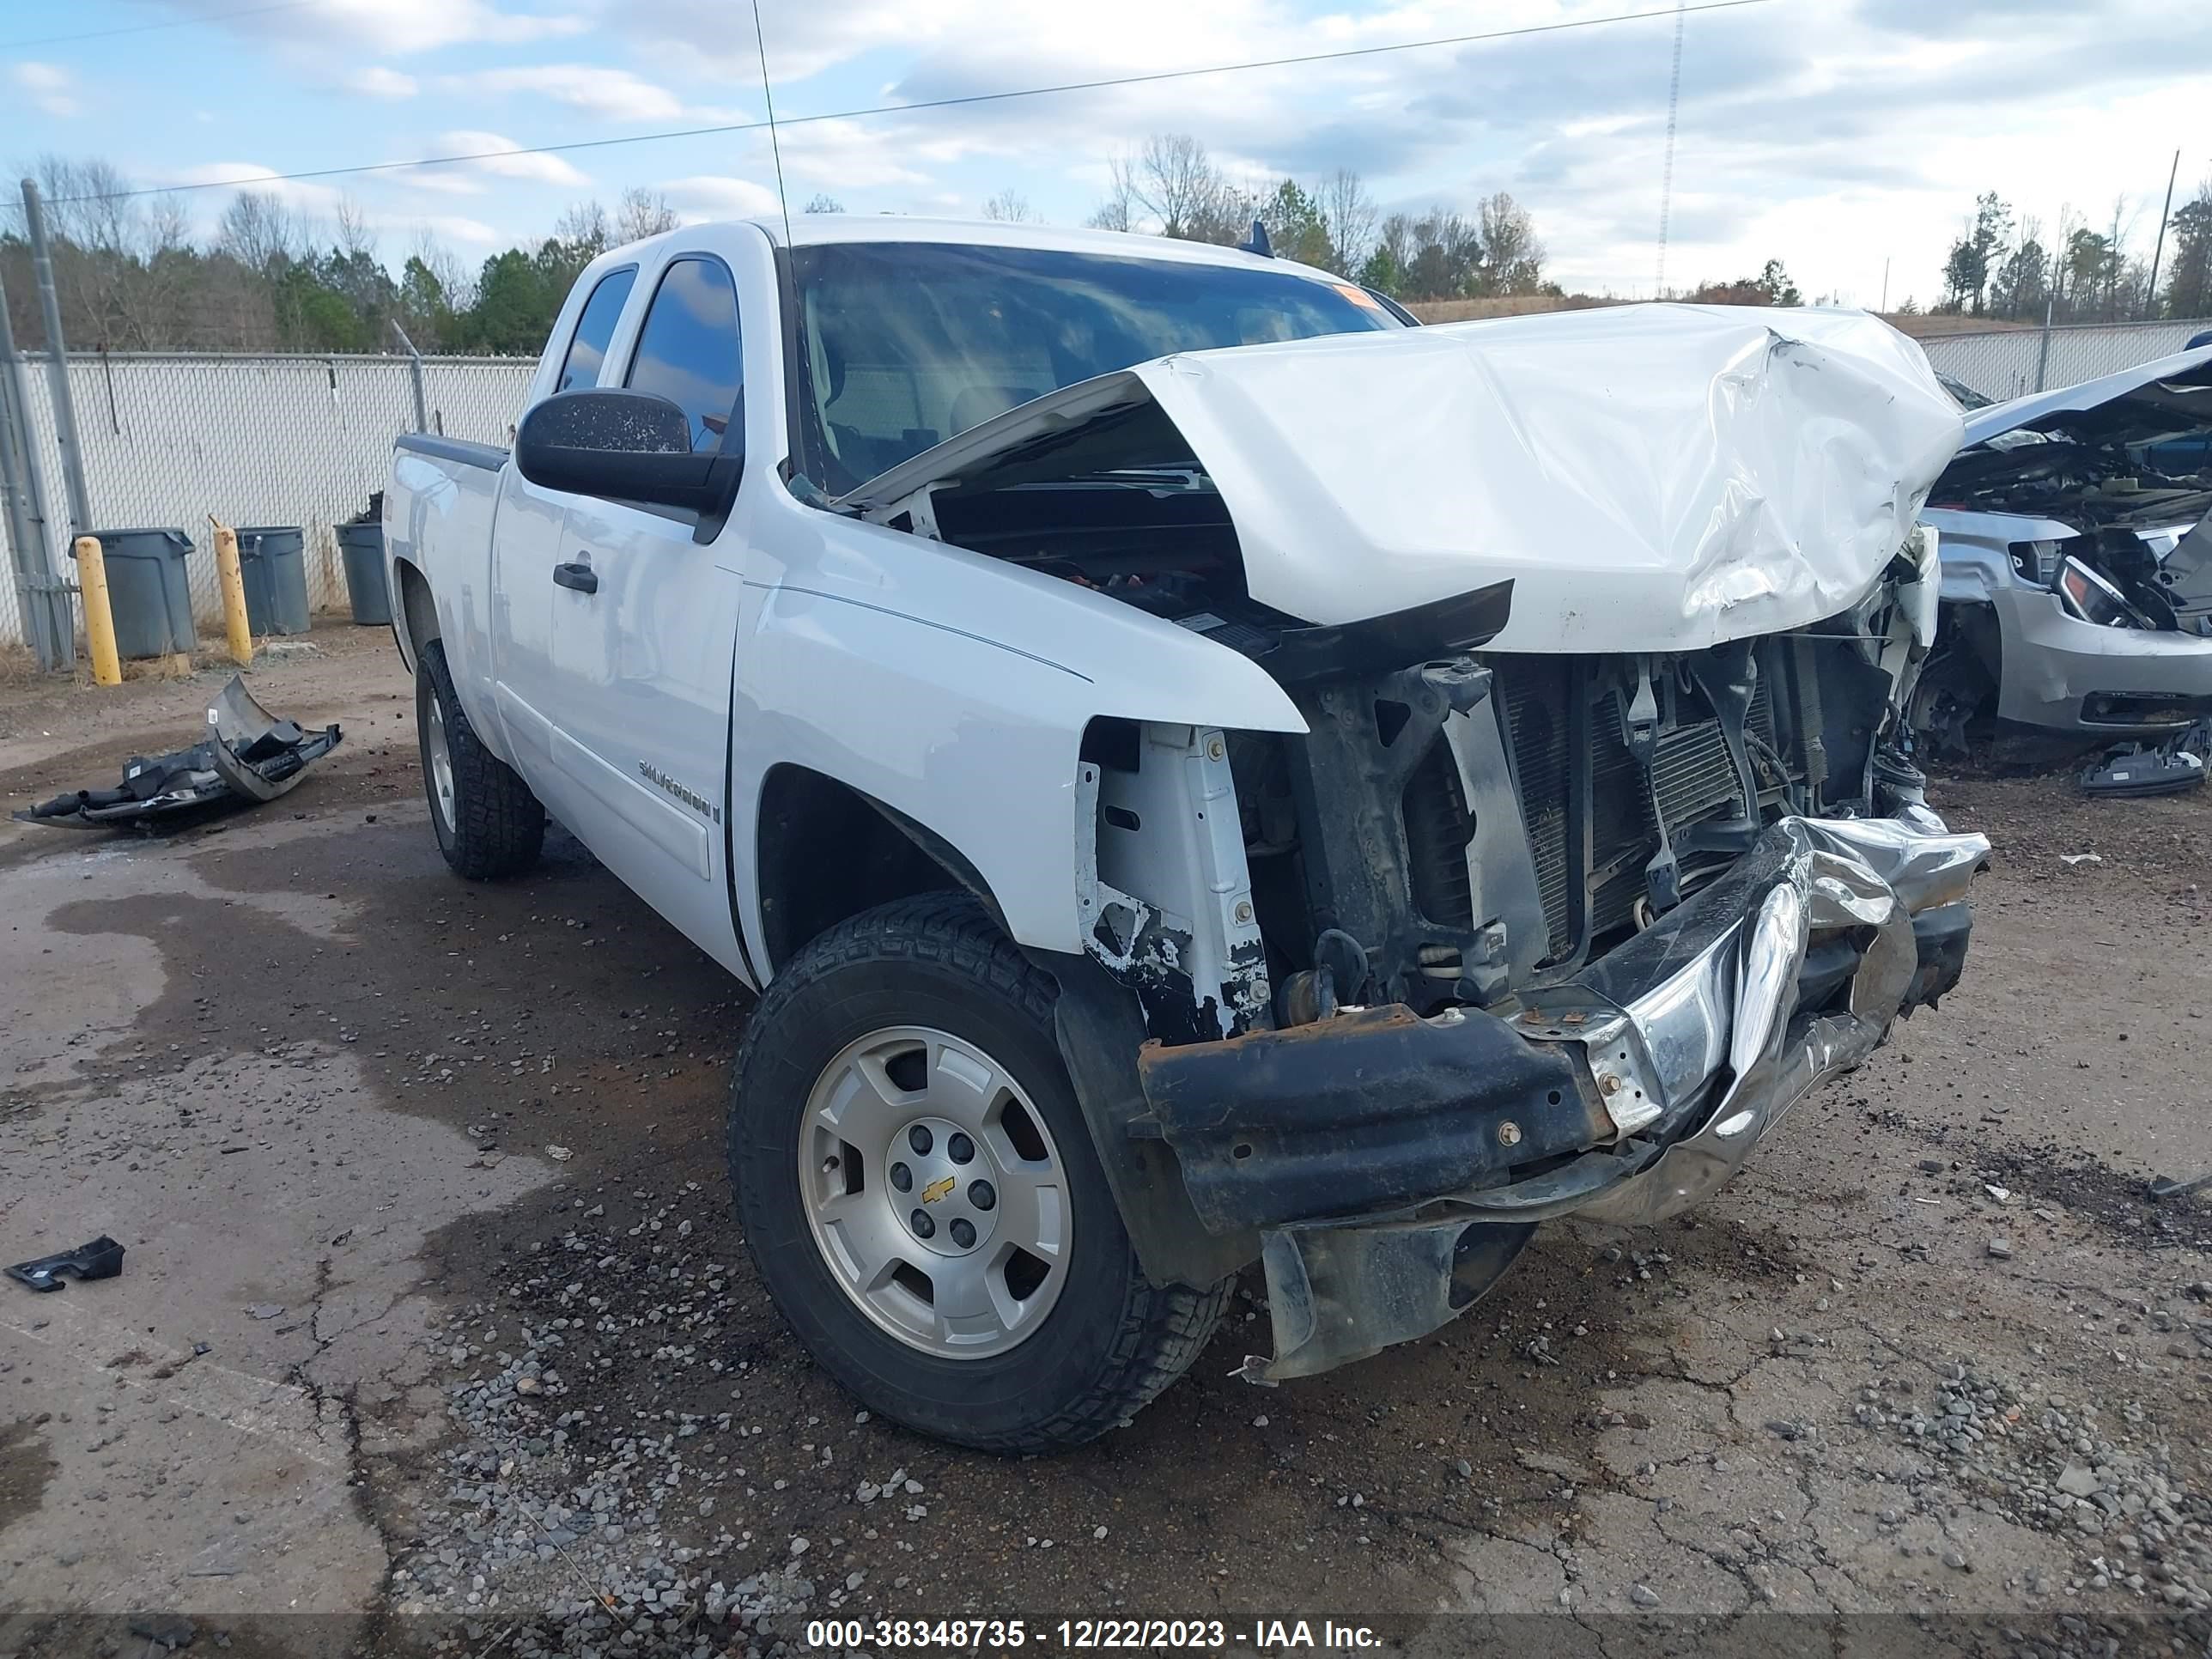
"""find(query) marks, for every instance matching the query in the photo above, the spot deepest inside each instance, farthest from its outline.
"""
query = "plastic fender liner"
(1101, 1027)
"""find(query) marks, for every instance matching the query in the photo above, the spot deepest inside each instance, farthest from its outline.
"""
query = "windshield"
(905, 344)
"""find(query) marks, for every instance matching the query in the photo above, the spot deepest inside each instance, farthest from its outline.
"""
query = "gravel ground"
(431, 1174)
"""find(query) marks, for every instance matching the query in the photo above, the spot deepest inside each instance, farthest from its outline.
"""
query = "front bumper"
(1393, 1166)
(2062, 674)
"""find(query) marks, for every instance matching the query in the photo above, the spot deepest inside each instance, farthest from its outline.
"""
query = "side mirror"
(624, 446)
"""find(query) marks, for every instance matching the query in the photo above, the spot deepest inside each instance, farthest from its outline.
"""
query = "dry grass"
(18, 664)
(1511, 305)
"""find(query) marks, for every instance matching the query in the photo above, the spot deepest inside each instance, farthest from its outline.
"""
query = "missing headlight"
(2035, 561)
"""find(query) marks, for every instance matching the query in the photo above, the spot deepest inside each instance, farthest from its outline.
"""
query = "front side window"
(688, 350)
(905, 344)
(594, 329)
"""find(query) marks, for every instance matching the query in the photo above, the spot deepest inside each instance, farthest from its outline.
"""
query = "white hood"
(1651, 478)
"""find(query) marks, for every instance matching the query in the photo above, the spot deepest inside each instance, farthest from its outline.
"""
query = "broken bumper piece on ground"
(2133, 770)
(249, 755)
(1394, 1166)
(100, 1259)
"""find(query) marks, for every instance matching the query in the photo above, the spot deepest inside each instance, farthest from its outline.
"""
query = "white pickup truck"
(1199, 772)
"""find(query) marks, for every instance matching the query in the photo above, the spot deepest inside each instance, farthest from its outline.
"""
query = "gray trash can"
(272, 559)
(149, 593)
(361, 547)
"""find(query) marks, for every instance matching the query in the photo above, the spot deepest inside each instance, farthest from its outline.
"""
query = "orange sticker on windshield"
(1356, 294)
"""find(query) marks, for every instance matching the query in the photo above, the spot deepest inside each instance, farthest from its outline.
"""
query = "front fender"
(955, 690)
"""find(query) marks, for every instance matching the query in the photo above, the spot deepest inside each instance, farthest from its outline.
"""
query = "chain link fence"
(2010, 362)
(170, 438)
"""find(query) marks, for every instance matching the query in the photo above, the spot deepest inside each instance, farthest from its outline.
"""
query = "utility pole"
(2157, 251)
(42, 266)
(42, 597)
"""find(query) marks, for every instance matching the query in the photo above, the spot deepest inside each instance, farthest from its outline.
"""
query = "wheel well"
(828, 852)
(418, 611)
(1972, 626)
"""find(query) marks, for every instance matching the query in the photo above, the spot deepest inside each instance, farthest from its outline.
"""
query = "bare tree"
(259, 231)
(1348, 215)
(1012, 208)
(1512, 255)
(822, 202)
(355, 238)
(642, 213)
(1175, 182)
(1119, 210)
(584, 231)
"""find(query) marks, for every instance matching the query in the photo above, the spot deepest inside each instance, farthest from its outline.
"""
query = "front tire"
(487, 822)
(919, 1188)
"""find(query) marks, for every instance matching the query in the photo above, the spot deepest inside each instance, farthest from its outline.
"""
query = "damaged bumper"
(2067, 675)
(1395, 1165)
(249, 755)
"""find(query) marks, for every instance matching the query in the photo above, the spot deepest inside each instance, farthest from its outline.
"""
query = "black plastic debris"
(2135, 770)
(101, 1259)
(249, 755)
(2167, 1187)
(167, 1631)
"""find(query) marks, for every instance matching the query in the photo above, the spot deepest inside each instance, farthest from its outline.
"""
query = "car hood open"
(2172, 393)
(1651, 478)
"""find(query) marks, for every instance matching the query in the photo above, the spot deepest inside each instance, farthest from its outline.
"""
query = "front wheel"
(487, 822)
(919, 1190)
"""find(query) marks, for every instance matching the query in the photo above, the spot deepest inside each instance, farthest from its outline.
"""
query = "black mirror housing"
(624, 446)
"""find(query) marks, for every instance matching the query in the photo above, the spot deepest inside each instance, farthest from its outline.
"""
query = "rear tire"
(893, 1037)
(489, 824)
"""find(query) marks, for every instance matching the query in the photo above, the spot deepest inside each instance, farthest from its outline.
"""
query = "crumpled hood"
(1651, 478)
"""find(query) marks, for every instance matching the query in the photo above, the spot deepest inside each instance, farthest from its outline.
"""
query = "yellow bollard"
(99, 617)
(234, 591)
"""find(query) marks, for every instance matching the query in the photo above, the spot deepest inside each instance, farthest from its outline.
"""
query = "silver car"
(2077, 562)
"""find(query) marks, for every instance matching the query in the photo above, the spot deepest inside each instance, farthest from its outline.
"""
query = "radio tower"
(1667, 173)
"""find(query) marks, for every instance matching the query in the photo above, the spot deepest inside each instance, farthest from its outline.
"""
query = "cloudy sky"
(1835, 135)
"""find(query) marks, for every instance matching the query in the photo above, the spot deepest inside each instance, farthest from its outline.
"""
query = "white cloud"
(451, 226)
(49, 86)
(610, 94)
(442, 181)
(401, 26)
(484, 147)
(303, 194)
(1837, 150)
(378, 81)
(718, 196)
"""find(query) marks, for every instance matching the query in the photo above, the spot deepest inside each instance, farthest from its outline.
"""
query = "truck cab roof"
(821, 230)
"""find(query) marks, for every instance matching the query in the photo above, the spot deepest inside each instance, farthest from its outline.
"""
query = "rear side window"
(594, 329)
(687, 350)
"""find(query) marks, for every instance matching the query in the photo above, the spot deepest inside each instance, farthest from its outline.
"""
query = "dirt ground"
(436, 1332)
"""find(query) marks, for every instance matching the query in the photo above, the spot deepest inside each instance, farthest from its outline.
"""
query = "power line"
(166, 23)
(923, 104)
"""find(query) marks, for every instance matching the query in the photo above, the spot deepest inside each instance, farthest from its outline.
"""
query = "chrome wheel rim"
(441, 764)
(935, 1193)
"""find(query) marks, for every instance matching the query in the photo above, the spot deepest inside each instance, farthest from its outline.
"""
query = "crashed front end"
(1589, 842)
(1523, 938)
(2077, 562)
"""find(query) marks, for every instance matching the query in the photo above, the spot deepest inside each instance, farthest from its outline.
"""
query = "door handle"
(580, 577)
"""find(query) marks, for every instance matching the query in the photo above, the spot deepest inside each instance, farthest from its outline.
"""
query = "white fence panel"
(2003, 363)
(169, 439)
